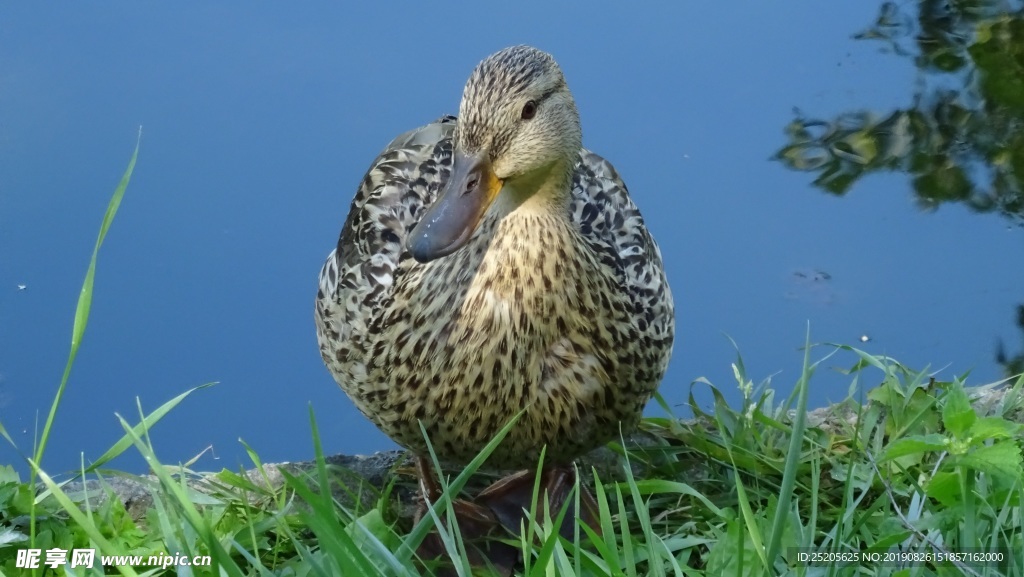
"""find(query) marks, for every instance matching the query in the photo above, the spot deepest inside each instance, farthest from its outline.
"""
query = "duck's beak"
(459, 208)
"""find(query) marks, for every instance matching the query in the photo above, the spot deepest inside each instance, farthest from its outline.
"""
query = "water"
(258, 125)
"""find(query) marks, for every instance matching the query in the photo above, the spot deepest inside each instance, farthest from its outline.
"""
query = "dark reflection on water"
(962, 141)
(1013, 364)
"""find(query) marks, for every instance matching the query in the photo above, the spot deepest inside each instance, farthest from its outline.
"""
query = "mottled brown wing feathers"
(613, 226)
(401, 182)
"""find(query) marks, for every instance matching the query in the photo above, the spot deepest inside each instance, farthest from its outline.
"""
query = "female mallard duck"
(490, 265)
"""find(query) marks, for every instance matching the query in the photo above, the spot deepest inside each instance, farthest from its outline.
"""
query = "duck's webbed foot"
(502, 509)
(509, 500)
(475, 523)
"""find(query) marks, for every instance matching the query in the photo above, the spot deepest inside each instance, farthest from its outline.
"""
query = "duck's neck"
(526, 237)
(544, 191)
(530, 211)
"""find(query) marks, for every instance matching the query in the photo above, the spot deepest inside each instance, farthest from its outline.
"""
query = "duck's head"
(518, 130)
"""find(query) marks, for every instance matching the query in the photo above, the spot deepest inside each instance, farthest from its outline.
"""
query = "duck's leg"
(472, 518)
(510, 499)
(428, 484)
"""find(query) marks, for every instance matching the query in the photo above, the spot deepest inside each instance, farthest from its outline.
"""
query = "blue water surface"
(259, 121)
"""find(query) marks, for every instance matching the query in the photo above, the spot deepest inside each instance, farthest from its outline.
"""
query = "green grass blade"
(85, 300)
(142, 428)
(793, 458)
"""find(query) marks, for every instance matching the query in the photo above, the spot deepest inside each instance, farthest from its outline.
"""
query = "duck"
(491, 267)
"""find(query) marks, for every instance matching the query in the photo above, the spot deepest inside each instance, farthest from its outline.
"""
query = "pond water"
(854, 168)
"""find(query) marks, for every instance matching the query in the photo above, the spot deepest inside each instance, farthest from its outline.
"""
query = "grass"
(925, 467)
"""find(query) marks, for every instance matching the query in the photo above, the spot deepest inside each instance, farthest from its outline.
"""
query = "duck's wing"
(399, 186)
(613, 226)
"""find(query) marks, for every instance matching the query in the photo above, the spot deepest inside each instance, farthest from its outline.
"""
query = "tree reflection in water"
(961, 141)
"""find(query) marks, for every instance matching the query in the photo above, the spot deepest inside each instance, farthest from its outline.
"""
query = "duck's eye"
(529, 110)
